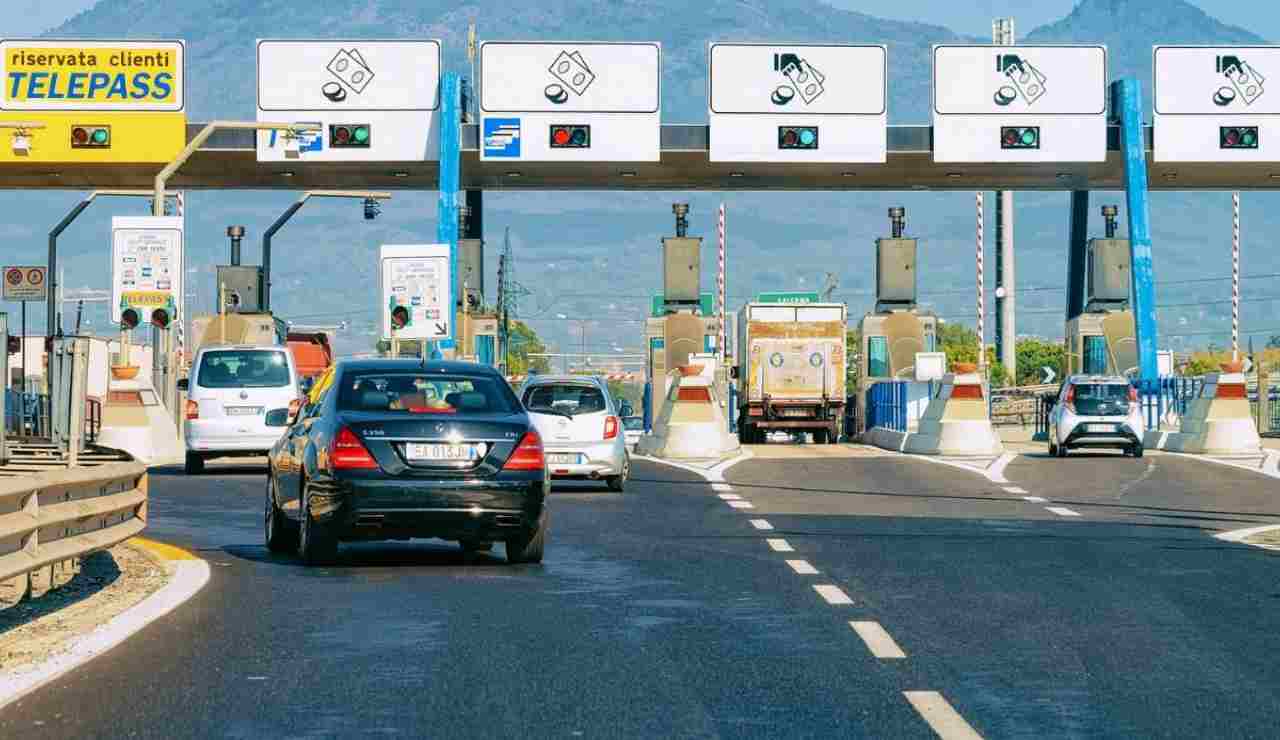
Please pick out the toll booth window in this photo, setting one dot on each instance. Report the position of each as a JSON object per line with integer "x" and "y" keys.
{"x": 877, "y": 357}
{"x": 1095, "y": 355}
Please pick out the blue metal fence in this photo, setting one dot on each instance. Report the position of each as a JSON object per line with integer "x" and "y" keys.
{"x": 1173, "y": 395}
{"x": 887, "y": 405}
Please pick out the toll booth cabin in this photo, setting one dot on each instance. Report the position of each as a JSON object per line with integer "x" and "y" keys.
{"x": 1102, "y": 339}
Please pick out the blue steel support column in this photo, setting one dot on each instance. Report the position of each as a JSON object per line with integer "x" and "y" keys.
{"x": 1126, "y": 106}
{"x": 1076, "y": 254}
{"x": 450, "y": 181}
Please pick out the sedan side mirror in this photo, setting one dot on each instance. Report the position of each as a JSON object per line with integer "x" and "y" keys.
{"x": 184, "y": 384}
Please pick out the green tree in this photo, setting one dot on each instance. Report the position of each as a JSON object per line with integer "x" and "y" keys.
{"x": 852, "y": 359}
{"x": 524, "y": 341}
{"x": 1036, "y": 354}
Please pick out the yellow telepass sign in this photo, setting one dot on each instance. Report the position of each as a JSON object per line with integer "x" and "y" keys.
{"x": 92, "y": 100}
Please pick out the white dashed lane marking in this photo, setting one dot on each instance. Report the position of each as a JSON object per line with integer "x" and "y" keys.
{"x": 741, "y": 504}
{"x": 941, "y": 716}
{"x": 779, "y": 545}
{"x": 1036, "y": 499}
{"x": 1015, "y": 490}
{"x": 1062, "y": 511}
{"x": 832, "y": 594}
{"x": 730, "y": 496}
{"x": 761, "y": 524}
{"x": 721, "y": 487}
{"x": 878, "y": 640}
{"x": 802, "y": 567}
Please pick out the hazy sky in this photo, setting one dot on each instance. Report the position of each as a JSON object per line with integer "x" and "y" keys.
{"x": 973, "y": 16}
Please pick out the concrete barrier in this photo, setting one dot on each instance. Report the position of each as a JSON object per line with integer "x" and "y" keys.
{"x": 956, "y": 422}
{"x": 691, "y": 424}
{"x": 1218, "y": 422}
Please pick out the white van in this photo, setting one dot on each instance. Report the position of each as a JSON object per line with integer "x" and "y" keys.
{"x": 238, "y": 401}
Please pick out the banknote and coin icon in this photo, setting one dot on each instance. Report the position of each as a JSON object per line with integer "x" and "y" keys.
{"x": 802, "y": 79}
{"x": 1246, "y": 82}
{"x": 1021, "y": 80}
{"x": 351, "y": 72}
{"x": 572, "y": 73}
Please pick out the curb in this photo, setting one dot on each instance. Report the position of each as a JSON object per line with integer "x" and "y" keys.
{"x": 189, "y": 576}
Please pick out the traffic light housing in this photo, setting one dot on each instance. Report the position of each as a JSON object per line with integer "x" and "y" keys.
{"x": 129, "y": 318}
{"x": 13, "y": 345}
{"x": 399, "y": 318}
{"x": 350, "y": 136}
{"x": 1238, "y": 137}
{"x": 1019, "y": 137}
{"x": 160, "y": 318}
{"x": 90, "y": 137}
{"x": 570, "y": 137}
{"x": 797, "y": 137}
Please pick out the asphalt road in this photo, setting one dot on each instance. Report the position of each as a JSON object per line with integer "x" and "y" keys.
{"x": 665, "y": 611}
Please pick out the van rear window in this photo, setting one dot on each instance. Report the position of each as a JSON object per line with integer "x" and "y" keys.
{"x": 243, "y": 368}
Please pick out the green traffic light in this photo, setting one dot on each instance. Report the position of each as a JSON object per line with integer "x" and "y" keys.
{"x": 361, "y": 134}
{"x": 1029, "y": 137}
{"x": 1249, "y": 138}
{"x": 100, "y": 136}
{"x": 807, "y": 137}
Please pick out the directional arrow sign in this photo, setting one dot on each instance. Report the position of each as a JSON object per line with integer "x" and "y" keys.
{"x": 1049, "y": 374}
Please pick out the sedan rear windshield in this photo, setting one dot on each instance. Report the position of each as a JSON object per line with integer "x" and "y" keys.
{"x": 421, "y": 393}
{"x": 1102, "y": 399}
{"x": 567, "y": 398}
{"x": 243, "y": 368}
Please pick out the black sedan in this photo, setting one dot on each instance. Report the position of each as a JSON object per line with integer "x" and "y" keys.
{"x": 397, "y": 449}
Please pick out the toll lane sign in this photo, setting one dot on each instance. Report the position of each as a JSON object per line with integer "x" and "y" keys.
{"x": 1019, "y": 103}
{"x": 375, "y": 101}
{"x": 417, "y": 302}
{"x": 25, "y": 283}
{"x": 146, "y": 265}
{"x": 97, "y": 101}
{"x": 797, "y": 102}
{"x": 1217, "y": 103}
{"x": 571, "y": 101}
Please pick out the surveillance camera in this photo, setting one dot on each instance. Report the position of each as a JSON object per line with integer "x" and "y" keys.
{"x": 21, "y": 145}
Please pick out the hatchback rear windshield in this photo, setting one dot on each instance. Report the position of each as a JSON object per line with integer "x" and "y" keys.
{"x": 420, "y": 393}
{"x": 243, "y": 368}
{"x": 1102, "y": 398}
{"x": 569, "y": 398}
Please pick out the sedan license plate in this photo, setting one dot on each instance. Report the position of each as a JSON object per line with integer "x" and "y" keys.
{"x": 563, "y": 458}
{"x": 243, "y": 410}
{"x": 440, "y": 452}
{"x": 1102, "y": 428}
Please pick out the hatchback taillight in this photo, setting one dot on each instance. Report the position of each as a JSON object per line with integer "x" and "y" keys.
{"x": 193, "y": 410}
{"x": 610, "y": 427}
{"x": 348, "y": 453}
{"x": 527, "y": 455}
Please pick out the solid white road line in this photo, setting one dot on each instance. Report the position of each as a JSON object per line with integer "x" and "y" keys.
{"x": 1062, "y": 511}
{"x": 741, "y": 504}
{"x": 779, "y": 545}
{"x": 1240, "y": 535}
{"x": 761, "y": 524}
{"x": 729, "y": 496}
{"x": 832, "y": 594}
{"x": 802, "y": 567}
{"x": 721, "y": 487}
{"x": 941, "y": 716}
{"x": 878, "y": 640}
{"x": 1036, "y": 499}
{"x": 1015, "y": 490}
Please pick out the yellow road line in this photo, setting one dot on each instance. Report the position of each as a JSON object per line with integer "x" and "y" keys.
{"x": 162, "y": 550}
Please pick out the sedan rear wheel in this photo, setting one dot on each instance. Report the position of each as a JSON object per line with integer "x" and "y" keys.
{"x": 527, "y": 546}
{"x": 281, "y": 534}
{"x": 317, "y": 544}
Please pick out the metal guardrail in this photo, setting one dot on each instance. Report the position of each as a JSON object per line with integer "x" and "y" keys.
{"x": 887, "y": 405}
{"x": 49, "y": 517}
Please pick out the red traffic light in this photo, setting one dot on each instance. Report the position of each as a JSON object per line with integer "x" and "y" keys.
{"x": 128, "y": 318}
{"x": 1019, "y": 137}
{"x": 160, "y": 318}
{"x": 797, "y": 137}
{"x": 350, "y": 136}
{"x": 570, "y": 137}
{"x": 90, "y": 137}
{"x": 1238, "y": 137}
{"x": 399, "y": 317}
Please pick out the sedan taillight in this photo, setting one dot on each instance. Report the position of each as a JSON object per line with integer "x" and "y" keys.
{"x": 1070, "y": 400}
{"x": 348, "y": 453}
{"x": 610, "y": 427}
{"x": 193, "y": 410}
{"x": 528, "y": 454}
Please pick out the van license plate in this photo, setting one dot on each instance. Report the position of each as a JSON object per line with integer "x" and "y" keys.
{"x": 243, "y": 410}
{"x": 440, "y": 453}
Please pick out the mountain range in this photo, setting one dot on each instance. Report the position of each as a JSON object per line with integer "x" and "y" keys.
{"x": 595, "y": 256}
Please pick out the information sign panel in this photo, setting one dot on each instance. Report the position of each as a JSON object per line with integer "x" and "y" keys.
{"x": 95, "y": 100}
{"x": 26, "y": 283}
{"x": 1019, "y": 103}
{"x": 1212, "y": 103}
{"x": 797, "y": 102}
{"x": 415, "y": 277}
{"x": 375, "y": 101}
{"x": 570, "y": 101}
{"x": 146, "y": 265}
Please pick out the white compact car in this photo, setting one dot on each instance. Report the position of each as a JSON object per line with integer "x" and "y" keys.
{"x": 581, "y": 429}
{"x": 238, "y": 402}
{"x": 1096, "y": 411}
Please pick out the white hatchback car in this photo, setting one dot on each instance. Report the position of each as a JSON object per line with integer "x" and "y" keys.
{"x": 580, "y": 426}
{"x": 238, "y": 402}
{"x": 1096, "y": 411}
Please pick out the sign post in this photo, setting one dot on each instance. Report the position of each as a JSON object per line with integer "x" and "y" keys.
{"x": 1212, "y": 103}
{"x": 570, "y": 101}
{"x": 797, "y": 102}
{"x": 1008, "y": 104}
{"x": 25, "y": 283}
